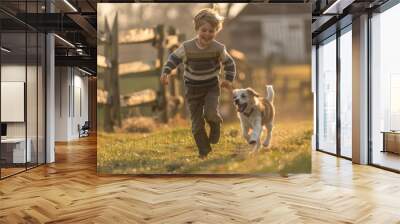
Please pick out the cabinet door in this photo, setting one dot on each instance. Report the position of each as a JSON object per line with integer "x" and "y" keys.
{"x": 392, "y": 142}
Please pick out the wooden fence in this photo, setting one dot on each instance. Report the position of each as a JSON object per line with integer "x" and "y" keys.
{"x": 116, "y": 80}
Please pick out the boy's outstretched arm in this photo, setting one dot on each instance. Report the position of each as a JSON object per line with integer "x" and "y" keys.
{"x": 174, "y": 59}
{"x": 229, "y": 70}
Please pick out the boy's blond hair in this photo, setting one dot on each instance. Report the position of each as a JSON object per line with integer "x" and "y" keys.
{"x": 210, "y": 16}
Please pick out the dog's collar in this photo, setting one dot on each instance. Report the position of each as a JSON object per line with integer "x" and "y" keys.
{"x": 249, "y": 113}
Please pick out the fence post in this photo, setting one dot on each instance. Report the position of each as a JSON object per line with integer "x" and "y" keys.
{"x": 108, "y": 121}
{"x": 160, "y": 36}
{"x": 116, "y": 111}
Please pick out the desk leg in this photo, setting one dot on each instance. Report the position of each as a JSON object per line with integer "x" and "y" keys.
{"x": 384, "y": 142}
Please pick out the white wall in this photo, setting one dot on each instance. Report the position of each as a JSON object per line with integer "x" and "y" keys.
{"x": 13, "y": 73}
{"x": 71, "y": 94}
{"x": 81, "y": 96}
{"x": 61, "y": 103}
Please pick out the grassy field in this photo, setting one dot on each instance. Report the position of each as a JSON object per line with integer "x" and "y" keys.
{"x": 172, "y": 150}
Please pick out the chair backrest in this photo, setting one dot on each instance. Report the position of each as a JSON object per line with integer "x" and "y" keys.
{"x": 86, "y": 125}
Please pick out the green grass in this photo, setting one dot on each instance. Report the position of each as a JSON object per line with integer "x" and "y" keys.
{"x": 172, "y": 150}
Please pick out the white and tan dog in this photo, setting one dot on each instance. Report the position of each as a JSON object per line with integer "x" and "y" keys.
{"x": 255, "y": 112}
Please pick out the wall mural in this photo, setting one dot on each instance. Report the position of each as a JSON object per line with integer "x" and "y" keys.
{"x": 204, "y": 89}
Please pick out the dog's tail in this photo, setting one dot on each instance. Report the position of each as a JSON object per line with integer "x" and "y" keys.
{"x": 270, "y": 93}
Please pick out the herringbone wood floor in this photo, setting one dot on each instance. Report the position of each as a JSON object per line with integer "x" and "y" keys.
{"x": 70, "y": 191}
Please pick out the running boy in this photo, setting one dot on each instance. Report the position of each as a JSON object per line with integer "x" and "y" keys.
{"x": 202, "y": 57}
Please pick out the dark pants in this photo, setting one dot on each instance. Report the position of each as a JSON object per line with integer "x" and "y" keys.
{"x": 203, "y": 105}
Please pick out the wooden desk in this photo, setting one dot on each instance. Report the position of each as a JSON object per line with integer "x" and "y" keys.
{"x": 15, "y": 148}
{"x": 391, "y": 141}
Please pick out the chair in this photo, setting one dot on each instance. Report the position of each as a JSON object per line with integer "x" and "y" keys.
{"x": 84, "y": 130}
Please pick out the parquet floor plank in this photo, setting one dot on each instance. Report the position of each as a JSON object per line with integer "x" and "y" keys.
{"x": 70, "y": 191}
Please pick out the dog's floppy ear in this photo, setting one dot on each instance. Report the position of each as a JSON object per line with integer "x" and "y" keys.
{"x": 252, "y": 92}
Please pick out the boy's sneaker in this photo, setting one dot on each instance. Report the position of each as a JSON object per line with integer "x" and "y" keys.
{"x": 203, "y": 154}
{"x": 214, "y": 133}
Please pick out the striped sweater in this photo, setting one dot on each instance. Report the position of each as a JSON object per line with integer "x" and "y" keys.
{"x": 201, "y": 66}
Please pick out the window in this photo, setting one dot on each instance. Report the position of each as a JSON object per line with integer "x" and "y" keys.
{"x": 327, "y": 95}
{"x": 22, "y": 68}
{"x": 385, "y": 84}
{"x": 346, "y": 93}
